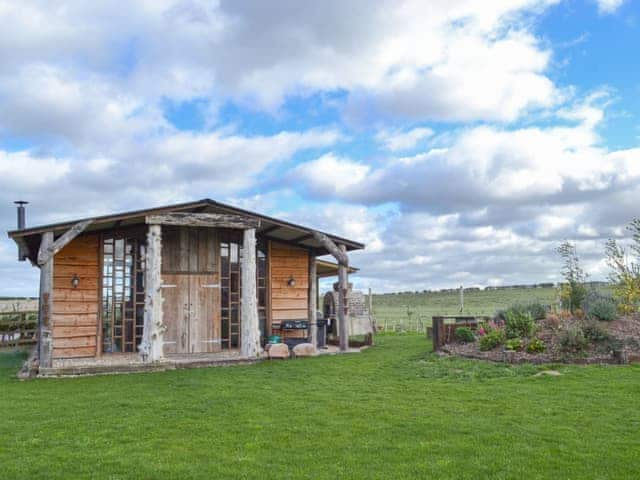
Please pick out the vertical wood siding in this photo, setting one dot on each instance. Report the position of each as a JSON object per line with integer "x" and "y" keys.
{"x": 289, "y": 303}
{"x": 75, "y": 310}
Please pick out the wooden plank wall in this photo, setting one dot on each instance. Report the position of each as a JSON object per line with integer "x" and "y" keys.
{"x": 289, "y": 303}
{"x": 75, "y": 310}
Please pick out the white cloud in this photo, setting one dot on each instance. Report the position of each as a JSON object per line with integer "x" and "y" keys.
{"x": 454, "y": 60}
{"x": 609, "y": 6}
{"x": 21, "y": 172}
{"x": 397, "y": 140}
{"x": 330, "y": 174}
{"x": 85, "y": 86}
{"x": 350, "y": 221}
{"x": 491, "y": 166}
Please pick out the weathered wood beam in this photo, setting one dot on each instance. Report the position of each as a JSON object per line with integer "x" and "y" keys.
{"x": 313, "y": 299}
{"x": 339, "y": 254}
{"x": 268, "y": 230}
{"x": 286, "y": 242}
{"x": 44, "y": 255}
{"x": 152, "y": 347}
{"x": 302, "y": 238}
{"x": 249, "y": 324}
{"x": 343, "y": 289}
{"x": 45, "y": 310}
{"x": 214, "y": 220}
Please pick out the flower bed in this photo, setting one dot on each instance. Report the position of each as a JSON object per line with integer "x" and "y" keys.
{"x": 514, "y": 337}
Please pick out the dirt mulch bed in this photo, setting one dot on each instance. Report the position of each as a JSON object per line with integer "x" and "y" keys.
{"x": 625, "y": 332}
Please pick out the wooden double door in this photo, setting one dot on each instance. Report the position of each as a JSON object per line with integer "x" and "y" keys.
{"x": 191, "y": 290}
{"x": 191, "y": 312}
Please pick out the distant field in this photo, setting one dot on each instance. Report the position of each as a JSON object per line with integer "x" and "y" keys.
{"x": 412, "y": 311}
{"x": 8, "y": 304}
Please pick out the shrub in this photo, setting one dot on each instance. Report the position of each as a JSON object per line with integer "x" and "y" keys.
{"x": 594, "y": 332}
{"x": 492, "y": 339}
{"x": 604, "y": 309}
{"x": 514, "y": 344}
{"x": 573, "y": 292}
{"x": 552, "y": 320}
{"x": 572, "y": 340}
{"x": 518, "y": 324}
{"x": 499, "y": 316}
{"x": 537, "y": 310}
{"x": 572, "y": 295}
{"x": 464, "y": 335}
{"x": 625, "y": 270}
{"x": 536, "y": 346}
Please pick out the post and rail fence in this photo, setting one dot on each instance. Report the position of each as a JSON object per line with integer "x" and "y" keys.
{"x": 18, "y": 328}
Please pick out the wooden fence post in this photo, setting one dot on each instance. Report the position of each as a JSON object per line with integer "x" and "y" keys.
{"x": 437, "y": 324}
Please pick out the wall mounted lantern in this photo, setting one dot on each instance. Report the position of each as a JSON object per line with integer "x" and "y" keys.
{"x": 75, "y": 281}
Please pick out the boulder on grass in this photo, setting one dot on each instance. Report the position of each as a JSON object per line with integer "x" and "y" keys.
{"x": 304, "y": 350}
{"x": 278, "y": 350}
{"x": 549, "y": 373}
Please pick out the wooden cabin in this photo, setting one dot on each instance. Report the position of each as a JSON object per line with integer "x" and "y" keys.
{"x": 180, "y": 281}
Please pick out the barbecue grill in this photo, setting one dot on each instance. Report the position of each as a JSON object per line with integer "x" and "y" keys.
{"x": 291, "y": 326}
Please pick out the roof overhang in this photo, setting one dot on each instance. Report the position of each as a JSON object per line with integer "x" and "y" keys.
{"x": 325, "y": 268}
{"x": 269, "y": 227}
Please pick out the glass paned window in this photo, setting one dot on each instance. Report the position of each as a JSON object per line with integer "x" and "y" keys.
{"x": 122, "y": 293}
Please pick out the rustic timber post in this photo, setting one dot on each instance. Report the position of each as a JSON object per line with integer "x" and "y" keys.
{"x": 151, "y": 347}
{"x": 340, "y": 254}
{"x": 313, "y": 301}
{"x": 45, "y": 340}
{"x": 250, "y": 326}
{"x": 437, "y": 332}
{"x": 343, "y": 287}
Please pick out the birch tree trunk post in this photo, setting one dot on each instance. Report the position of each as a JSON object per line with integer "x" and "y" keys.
{"x": 45, "y": 309}
{"x": 250, "y": 327}
{"x": 151, "y": 347}
{"x": 343, "y": 286}
{"x": 313, "y": 301}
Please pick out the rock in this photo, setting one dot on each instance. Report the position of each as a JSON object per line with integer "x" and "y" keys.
{"x": 304, "y": 350}
{"x": 549, "y": 373}
{"x": 278, "y": 350}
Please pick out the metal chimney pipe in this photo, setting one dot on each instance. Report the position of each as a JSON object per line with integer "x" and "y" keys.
{"x": 22, "y": 249}
{"x": 21, "y": 214}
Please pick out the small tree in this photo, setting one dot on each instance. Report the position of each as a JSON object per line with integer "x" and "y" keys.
{"x": 573, "y": 290}
{"x": 625, "y": 273}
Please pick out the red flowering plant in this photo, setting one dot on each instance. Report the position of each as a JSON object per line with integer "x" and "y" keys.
{"x": 490, "y": 326}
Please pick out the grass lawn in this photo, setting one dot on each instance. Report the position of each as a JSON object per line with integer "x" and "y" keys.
{"x": 394, "y": 411}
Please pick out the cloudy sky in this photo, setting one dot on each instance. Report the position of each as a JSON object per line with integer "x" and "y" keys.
{"x": 460, "y": 140}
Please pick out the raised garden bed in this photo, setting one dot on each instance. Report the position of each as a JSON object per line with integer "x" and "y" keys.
{"x": 567, "y": 340}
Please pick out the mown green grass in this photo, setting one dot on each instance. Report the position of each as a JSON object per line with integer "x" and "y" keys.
{"x": 394, "y": 411}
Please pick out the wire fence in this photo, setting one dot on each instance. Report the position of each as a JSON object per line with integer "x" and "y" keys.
{"x": 401, "y": 320}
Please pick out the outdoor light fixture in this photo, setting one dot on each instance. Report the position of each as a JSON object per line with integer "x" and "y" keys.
{"x": 291, "y": 282}
{"x": 75, "y": 281}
